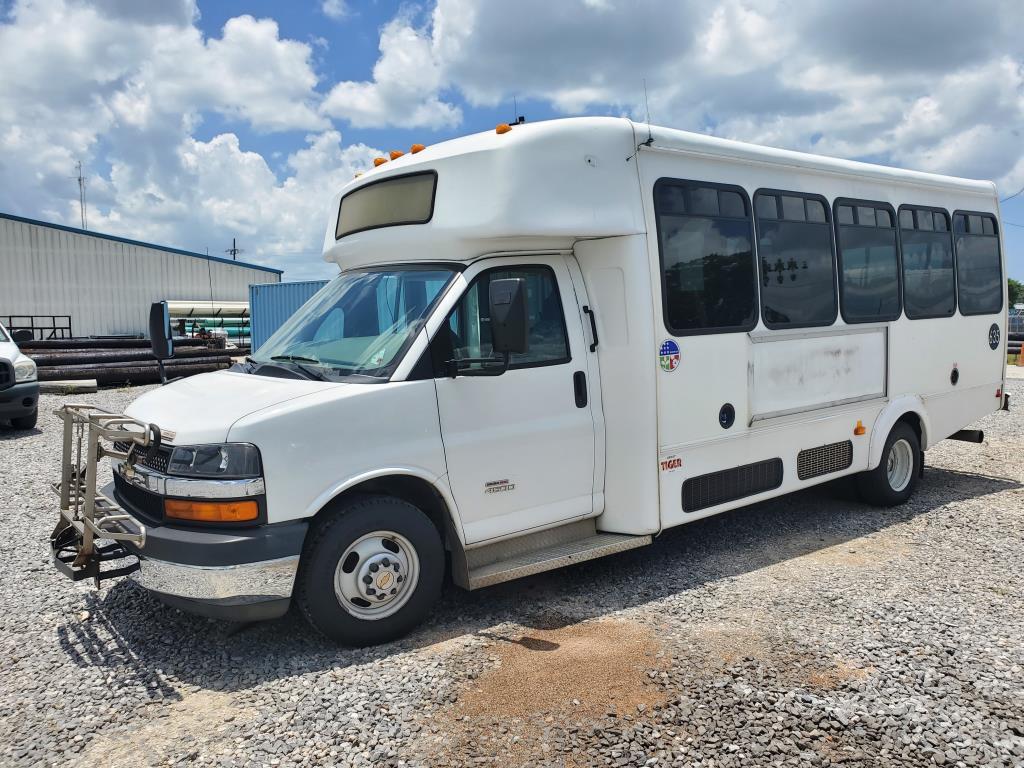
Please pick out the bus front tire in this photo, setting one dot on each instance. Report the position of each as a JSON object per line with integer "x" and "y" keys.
{"x": 371, "y": 571}
{"x": 893, "y": 481}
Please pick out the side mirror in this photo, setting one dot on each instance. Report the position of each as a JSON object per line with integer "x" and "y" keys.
{"x": 510, "y": 322}
{"x": 160, "y": 335}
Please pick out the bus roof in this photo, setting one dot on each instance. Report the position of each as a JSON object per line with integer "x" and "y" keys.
{"x": 545, "y": 185}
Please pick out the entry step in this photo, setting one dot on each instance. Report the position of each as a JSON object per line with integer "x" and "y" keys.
{"x": 556, "y": 556}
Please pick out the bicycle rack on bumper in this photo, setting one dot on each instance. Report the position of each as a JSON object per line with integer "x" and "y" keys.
{"x": 87, "y": 516}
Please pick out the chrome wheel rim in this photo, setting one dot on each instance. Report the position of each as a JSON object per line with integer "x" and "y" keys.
{"x": 376, "y": 575}
{"x": 900, "y": 465}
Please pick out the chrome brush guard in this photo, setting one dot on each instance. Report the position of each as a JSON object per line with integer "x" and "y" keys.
{"x": 87, "y": 516}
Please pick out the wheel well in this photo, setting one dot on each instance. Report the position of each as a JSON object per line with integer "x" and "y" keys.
{"x": 413, "y": 490}
{"x": 914, "y": 422}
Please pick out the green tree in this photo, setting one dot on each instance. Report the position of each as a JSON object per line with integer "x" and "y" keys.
{"x": 1016, "y": 290}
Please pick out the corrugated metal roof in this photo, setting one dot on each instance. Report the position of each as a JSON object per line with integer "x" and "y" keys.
{"x": 128, "y": 241}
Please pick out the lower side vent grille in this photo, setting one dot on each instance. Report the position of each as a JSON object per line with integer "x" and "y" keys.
{"x": 823, "y": 460}
{"x": 730, "y": 484}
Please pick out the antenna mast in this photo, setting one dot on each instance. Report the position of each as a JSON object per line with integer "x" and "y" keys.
{"x": 81, "y": 196}
{"x": 647, "y": 108}
{"x": 234, "y": 250}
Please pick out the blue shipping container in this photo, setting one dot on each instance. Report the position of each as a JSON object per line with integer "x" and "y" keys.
{"x": 271, "y": 304}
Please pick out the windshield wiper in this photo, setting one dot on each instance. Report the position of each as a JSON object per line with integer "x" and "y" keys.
{"x": 298, "y": 360}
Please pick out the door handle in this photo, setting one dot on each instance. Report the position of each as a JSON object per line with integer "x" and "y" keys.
{"x": 579, "y": 384}
{"x": 593, "y": 326}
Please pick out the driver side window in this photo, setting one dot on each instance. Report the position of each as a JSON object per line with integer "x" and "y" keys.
{"x": 468, "y": 328}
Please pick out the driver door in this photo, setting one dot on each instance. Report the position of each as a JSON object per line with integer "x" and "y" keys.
{"x": 519, "y": 444}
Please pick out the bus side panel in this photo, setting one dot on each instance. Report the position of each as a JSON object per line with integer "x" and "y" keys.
{"x": 617, "y": 277}
{"x": 925, "y": 354}
{"x": 781, "y": 438}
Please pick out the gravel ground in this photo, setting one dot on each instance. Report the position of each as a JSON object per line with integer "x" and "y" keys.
{"x": 811, "y": 630}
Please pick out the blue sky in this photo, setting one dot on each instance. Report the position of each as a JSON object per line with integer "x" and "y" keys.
{"x": 197, "y": 123}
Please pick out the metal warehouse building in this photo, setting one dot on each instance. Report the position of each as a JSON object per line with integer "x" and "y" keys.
{"x": 104, "y": 283}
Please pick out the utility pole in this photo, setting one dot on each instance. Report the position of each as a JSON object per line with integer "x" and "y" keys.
{"x": 234, "y": 250}
{"x": 81, "y": 196}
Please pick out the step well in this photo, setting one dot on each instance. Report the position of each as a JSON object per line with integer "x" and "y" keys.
{"x": 551, "y": 557}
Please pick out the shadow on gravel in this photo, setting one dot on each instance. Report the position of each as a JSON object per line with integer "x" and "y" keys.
{"x": 135, "y": 635}
{"x": 8, "y": 432}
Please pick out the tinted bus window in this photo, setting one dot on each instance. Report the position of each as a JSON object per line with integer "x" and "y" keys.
{"x": 926, "y": 245}
{"x": 794, "y": 247}
{"x": 705, "y": 241}
{"x": 978, "y": 272}
{"x": 389, "y": 202}
{"x": 869, "y": 283}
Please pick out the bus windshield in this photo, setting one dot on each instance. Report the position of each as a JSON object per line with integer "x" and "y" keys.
{"x": 359, "y": 324}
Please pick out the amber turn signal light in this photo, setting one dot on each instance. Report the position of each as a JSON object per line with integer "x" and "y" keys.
{"x": 211, "y": 511}
{"x": 379, "y": 161}
{"x": 860, "y": 429}
{"x": 503, "y": 128}
{"x": 416, "y": 148}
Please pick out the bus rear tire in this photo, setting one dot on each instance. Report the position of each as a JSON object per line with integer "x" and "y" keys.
{"x": 371, "y": 571}
{"x": 893, "y": 481}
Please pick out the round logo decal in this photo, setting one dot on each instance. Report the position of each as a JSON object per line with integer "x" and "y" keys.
{"x": 993, "y": 336}
{"x": 668, "y": 355}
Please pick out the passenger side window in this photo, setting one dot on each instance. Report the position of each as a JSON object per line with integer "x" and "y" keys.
{"x": 705, "y": 240}
{"x": 794, "y": 246}
{"x": 869, "y": 283}
{"x": 979, "y": 284}
{"x": 469, "y": 325}
{"x": 926, "y": 245}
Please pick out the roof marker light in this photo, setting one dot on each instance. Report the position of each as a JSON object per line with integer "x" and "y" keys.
{"x": 416, "y": 148}
{"x": 502, "y": 128}
{"x": 379, "y": 161}
{"x": 395, "y": 154}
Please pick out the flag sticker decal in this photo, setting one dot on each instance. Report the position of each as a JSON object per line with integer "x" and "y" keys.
{"x": 668, "y": 355}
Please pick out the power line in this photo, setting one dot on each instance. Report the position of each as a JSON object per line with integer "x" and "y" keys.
{"x": 1015, "y": 194}
{"x": 1011, "y": 224}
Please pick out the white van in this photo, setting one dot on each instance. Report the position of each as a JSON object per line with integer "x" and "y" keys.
{"x": 19, "y": 389}
{"x": 546, "y": 344}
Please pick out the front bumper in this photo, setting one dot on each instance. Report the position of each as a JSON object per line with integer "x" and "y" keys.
{"x": 242, "y": 574}
{"x": 244, "y": 592}
{"x": 19, "y": 400}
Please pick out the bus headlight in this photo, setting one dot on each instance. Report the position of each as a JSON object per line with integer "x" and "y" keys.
{"x": 24, "y": 370}
{"x": 224, "y": 461}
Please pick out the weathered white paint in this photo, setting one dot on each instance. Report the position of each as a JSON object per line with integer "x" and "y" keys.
{"x": 805, "y": 371}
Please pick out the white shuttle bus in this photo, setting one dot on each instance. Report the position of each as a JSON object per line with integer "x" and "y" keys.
{"x": 549, "y": 343}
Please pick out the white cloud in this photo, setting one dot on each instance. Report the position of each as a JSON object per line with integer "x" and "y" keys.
{"x": 334, "y": 9}
{"x": 907, "y": 83}
{"x": 405, "y": 89}
{"x": 223, "y": 191}
{"x": 124, "y": 90}
{"x": 124, "y": 85}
